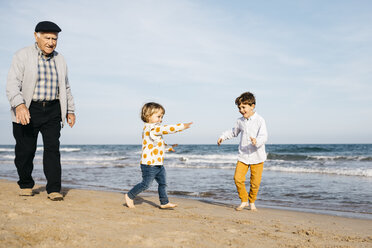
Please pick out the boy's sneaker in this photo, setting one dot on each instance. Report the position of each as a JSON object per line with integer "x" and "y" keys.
{"x": 252, "y": 207}
{"x": 242, "y": 206}
{"x": 168, "y": 205}
{"x": 129, "y": 201}
{"x": 55, "y": 196}
{"x": 26, "y": 192}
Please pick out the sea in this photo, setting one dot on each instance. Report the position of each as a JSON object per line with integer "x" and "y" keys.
{"x": 333, "y": 179}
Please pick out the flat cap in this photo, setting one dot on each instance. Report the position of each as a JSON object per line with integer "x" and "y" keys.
{"x": 47, "y": 26}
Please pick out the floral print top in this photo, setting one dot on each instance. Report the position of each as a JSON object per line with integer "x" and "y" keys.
{"x": 153, "y": 146}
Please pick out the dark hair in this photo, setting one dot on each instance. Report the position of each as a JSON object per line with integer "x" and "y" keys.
{"x": 245, "y": 98}
{"x": 149, "y": 109}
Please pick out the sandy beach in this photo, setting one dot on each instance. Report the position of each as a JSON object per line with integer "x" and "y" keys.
{"x": 100, "y": 219}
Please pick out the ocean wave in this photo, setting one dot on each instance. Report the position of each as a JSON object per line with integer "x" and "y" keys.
{"x": 331, "y": 171}
{"x": 336, "y": 158}
{"x": 8, "y": 156}
{"x": 90, "y": 164}
{"x": 62, "y": 149}
{"x": 200, "y": 166}
{"x": 284, "y": 157}
{"x": 65, "y": 149}
{"x": 93, "y": 159}
{"x": 40, "y": 148}
{"x": 210, "y": 159}
{"x": 194, "y": 194}
{"x": 344, "y": 171}
{"x": 299, "y": 149}
{"x": 297, "y": 157}
{"x": 232, "y": 158}
{"x": 206, "y": 161}
{"x": 204, "y": 156}
{"x": 6, "y": 149}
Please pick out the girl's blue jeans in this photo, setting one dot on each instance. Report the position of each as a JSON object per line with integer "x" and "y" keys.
{"x": 149, "y": 173}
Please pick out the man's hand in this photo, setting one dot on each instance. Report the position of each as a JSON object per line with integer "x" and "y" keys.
{"x": 71, "y": 119}
{"x": 22, "y": 114}
{"x": 253, "y": 140}
{"x": 219, "y": 141}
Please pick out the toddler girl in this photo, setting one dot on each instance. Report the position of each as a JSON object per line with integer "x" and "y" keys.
{"x": 153, "y": 148}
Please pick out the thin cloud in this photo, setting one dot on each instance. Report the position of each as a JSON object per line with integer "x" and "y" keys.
{"x": 195, "y": 57}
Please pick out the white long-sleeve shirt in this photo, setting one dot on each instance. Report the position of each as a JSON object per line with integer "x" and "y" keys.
{"x": 254, "y": 127}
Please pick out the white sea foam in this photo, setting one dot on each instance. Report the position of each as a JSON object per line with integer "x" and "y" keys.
{"x": 40, "y": 148}
{"x": 209, "y": 159}
{"x": 8, "y": 156}
{"x": 65, "y": 149}
{"x": 199, "y": 166}
{"x": 62, "y": 149}
{"x": 83, "y": 160}
{"x": 6, "y": 149}
{"x": 327, "y": 170}
{"x": 93, "y": 159}
{"x": 332, "y": 158}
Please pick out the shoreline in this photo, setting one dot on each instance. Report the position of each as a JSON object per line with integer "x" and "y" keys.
{"x": 149, "y": 193}
{"x": 88, "y": 218}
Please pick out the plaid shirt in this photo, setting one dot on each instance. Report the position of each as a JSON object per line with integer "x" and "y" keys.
{"x": 46, "y": 88}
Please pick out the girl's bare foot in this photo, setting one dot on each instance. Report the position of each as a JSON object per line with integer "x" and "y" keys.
{"x": 168, "y": 205}
{"x": 129, "y": 201}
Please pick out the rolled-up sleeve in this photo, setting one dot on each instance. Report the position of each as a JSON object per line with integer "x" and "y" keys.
{"x": 234, "y": 132}
{"x": 70, "y": 99}
{"x": 262, "y": 135}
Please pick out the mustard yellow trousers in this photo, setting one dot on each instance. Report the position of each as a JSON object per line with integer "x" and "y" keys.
{"x": 239, "y": 178}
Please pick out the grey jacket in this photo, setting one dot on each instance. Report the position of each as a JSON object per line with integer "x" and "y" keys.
{"x": 22, "y": 79}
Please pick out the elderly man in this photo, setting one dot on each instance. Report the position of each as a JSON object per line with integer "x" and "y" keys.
{"x": 40, "y": 97}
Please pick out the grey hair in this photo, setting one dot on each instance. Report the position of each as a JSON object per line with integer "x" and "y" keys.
{"x": 38, "y": 34}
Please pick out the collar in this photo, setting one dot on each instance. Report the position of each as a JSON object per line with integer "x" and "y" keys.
{"x": 254, "y": 116}
{"x": 152, "y": 124}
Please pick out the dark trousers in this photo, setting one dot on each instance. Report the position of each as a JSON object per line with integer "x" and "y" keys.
{"x": 46, "y": 119}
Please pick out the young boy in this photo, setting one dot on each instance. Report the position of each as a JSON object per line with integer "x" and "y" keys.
{"x": 251, "y": 148}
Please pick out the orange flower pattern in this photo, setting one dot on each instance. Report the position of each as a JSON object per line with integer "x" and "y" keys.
{"x": 153, "y": 145}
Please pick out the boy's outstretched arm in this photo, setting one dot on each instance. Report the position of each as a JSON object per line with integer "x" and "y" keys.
{"x": 229, "y": 134}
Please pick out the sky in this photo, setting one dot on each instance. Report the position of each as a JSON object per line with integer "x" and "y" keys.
{"x": 307, "y": 62}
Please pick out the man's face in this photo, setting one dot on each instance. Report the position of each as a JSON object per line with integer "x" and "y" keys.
{"x": 47, "y": 42}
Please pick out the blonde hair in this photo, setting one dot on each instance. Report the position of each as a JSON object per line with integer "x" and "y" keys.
{"x": 149, "y": 109}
